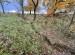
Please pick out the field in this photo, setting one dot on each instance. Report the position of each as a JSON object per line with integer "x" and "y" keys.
{"x": 44, "y": 36}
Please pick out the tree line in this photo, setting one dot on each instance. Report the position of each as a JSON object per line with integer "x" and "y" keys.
{"x": 52, "y": 5}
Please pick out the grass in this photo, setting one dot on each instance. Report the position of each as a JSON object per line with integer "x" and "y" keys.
{"x": 20, "y": 36}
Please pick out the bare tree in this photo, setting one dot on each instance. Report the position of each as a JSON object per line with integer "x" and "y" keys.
{"x": 20, "y": 2}
{"x": 2, "y": 4}
{"x": 35, "y": 7}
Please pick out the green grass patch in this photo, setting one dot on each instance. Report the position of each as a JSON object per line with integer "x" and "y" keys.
{"x": 23, "y": 37}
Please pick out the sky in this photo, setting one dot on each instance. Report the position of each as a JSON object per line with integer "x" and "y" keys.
{"x": 13, "y": 6}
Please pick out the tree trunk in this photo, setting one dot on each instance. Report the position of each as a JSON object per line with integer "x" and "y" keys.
{"x": 35, "y": 7}
{"x": 22, "y": 9}
{"x": 22, "y": 13}
{"x": 72, "y": 19}
{"x": 30, "y": 11}
{"x": 2, "y": 8}
{"x": 34, "y": 13}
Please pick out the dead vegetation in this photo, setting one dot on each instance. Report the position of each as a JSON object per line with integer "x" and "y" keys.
{"x": 44, "y": 36}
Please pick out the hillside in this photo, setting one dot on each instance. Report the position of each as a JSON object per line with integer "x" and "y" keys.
{"x": 44, "y": 36}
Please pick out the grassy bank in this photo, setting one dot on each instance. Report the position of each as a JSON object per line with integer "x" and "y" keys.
{"x": 18, "y": 38}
